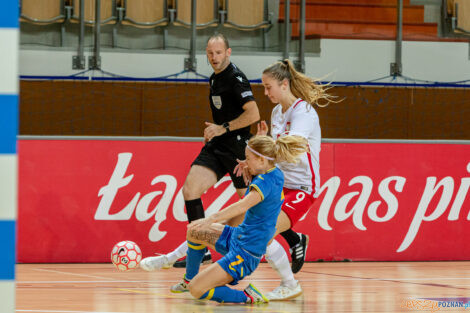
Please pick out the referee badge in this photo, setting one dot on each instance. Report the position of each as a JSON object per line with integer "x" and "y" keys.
{"x": 217, "y": 101}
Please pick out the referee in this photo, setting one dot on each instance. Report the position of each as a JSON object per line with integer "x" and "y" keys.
{"x": 233, "y": 110}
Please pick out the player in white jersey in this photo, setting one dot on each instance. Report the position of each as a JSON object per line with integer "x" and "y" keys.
{"x": 293, "y": 116}
{"x": 299, "y": 119}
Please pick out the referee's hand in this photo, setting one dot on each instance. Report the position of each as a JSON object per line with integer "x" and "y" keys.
{"x": 212, "y": 130}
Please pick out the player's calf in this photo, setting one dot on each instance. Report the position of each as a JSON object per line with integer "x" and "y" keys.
{"x": 299, "y": 253}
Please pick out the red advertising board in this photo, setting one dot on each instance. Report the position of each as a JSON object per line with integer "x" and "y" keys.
{"x": 378, "y": 201}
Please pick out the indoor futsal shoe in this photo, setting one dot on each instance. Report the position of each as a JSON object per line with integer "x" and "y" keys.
{"x": 284, "y": 293}
{"x": 207, "y": 259}
{"x": 254, "y": 296}
{"x": 155, "y": 263}
{"x": 299, "y": 253}
{"x": 180, "y": 287}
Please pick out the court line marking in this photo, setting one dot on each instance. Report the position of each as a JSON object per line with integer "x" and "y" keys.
{"x": 74, "y": 274}
{"x": 110, "y": 280}
{"x": 62, "y": 311}
{"x": 151, "y": 293}
{"x": 392, "y": 280}
{"x": 94, "y": 281}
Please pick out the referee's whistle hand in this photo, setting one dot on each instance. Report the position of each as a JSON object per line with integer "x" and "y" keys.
{"x": 212, "y": 130}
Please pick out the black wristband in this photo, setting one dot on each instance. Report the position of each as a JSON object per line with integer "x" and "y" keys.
{"x": 226, "y": 126}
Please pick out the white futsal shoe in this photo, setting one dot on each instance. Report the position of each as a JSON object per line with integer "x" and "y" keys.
{"x": 254, "y": 296}
{"x": 155, "y": 263}
{"x": 180, "y": 287}
{"x": 284, "y": 293}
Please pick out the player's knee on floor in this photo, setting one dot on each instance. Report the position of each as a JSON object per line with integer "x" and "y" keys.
{"x": 196, "y": 290}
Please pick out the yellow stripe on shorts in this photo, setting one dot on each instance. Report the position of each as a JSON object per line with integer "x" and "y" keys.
{"x": 240, "y": 260}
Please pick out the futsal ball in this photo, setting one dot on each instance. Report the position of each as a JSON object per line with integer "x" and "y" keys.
{"x": 126, "y": 255}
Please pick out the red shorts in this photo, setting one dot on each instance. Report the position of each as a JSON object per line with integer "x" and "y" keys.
{"x": 296, "y": 204}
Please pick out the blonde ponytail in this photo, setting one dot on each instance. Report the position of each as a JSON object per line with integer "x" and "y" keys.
{"x": 284, "y": 149}
{"x": 289, "y": 148}
{"x": 300, "y": 85}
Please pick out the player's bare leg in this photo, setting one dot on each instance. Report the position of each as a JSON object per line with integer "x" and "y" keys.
{"x": 198, "y": 181}
{"x": 210, "y": 277}
{"x": 277, "y": 258}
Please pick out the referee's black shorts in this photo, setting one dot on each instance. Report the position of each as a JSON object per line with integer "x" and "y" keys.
{"x": 221, "y": 157}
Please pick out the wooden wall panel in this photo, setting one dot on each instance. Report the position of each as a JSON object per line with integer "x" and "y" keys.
{"x": 180, "y": 109}
{"x": 175, "y": 109}
{"x": 440, "y": 113}
{"x": 80, "y": 108}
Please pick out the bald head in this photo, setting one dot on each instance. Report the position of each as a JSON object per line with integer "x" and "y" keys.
{"x": 218, "y": 52}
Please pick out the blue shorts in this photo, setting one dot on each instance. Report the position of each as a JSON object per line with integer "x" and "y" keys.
{"x": 237, "y": 262}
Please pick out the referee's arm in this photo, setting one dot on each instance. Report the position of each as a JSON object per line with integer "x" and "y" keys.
{"x": 249, "y": 116}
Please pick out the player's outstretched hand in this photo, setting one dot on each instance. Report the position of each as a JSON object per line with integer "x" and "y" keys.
{"x": 212, "y": 130}
{"x": 262, "y": 129}
{"x": 242, "y": 170}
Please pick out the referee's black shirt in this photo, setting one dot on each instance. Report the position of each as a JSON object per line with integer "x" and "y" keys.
{"x": 229, "y": 91}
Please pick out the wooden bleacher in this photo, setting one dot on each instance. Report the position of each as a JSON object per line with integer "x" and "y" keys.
{"x": 359, "y": 19}
{"x": 207, "y": 13}
{"x": 460, "y": 9}
{"x": 152, "y": 13}
{"x": 145, "y": 13}
{"x": 107, "y": 11}
{"x": 239, "y": 17}
{"x": 42, "y": 12}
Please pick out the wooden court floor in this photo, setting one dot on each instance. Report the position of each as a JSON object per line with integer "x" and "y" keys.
{"x": 328, "y": 287}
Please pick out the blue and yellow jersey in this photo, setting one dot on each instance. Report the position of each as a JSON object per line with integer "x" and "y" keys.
{"x": 259, "y": 224}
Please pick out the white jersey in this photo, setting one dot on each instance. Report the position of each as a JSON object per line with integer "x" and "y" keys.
{"x": 300, "y": 119}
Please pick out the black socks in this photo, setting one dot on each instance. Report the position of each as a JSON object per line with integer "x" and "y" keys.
{"x": 291, "y": 237}
{"x": 194, "y": 209}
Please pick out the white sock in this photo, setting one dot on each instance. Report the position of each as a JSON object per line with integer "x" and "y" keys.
{"x": 277, "y": 258}
{"x": 178, "y": 253}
